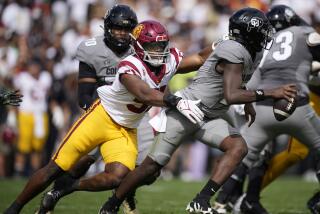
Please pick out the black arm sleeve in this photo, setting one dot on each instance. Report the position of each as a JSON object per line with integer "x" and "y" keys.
{"x": 315, "y": 51}
{"x": 86, "y": 92}
{"x": 86, "y": 71}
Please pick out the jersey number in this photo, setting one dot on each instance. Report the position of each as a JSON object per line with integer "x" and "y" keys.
{"x": 91, "y": 42}
{"x": 285, "y": 39}
{"x": 143, "y": 107}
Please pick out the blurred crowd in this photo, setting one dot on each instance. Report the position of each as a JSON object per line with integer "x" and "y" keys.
{"x": 38, "y": 43}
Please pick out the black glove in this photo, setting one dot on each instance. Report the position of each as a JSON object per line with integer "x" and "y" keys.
{"x": 8, "y": 97}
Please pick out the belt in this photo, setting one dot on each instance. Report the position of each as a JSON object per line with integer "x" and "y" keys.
{"x": 301, "y": 101}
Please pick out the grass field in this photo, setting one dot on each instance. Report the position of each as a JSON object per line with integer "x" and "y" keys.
{"x": 287, "y": 195}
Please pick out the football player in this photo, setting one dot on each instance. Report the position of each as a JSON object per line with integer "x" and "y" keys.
{"x": 99, "y": 68}
{"x": 218, "y": 84}
{"x": 9, "y": 97}
{"x": 289, "y": 60}
{"x": 98, "y": 60}
{"x": 111, "y": 120}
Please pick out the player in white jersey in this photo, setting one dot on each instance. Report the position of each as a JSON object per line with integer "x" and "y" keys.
{"x": 137, "y": 86}
{"x": 98, "y": 60}
{"x": 34, "y": 84}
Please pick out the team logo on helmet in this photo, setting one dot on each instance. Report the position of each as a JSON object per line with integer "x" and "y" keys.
{"x": 255, "y": 22}
{"x": 137, "y": 30}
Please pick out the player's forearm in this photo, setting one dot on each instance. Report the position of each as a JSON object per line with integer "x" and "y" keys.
{"x": 85, "y": 94}
{"x": 152, "y": 98}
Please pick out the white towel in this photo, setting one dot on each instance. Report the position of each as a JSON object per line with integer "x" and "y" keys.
{"x": 159, "y": 121}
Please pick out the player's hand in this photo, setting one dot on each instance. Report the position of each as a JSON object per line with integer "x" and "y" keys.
{"x": 249, "y": 113}
{"x": 190, "y": 109}
{"x": 288, "y": 92}
{"x": 9, "y": 97}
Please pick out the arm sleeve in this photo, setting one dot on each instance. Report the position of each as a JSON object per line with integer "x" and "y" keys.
{"x": 85, "y": 94}
{"x": 86, "y": 71}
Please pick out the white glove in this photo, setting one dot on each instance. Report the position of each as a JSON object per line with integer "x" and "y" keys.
{"x": 190, "y": 109}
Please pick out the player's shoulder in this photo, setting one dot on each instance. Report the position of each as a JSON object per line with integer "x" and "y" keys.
{"x": 230, "y": 50}
{"x": 299, "y": 30}
{"x": 90, "y": 47}
{"x": 131, "y": 63}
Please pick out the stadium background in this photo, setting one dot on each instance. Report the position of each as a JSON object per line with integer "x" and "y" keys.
{"x": 48, "y": 33}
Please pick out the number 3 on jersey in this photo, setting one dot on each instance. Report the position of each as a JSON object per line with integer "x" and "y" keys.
{"x": 285, "y": 39}
{"x": 143, "y": 107}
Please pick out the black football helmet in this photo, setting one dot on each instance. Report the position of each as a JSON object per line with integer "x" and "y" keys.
{"x": 282, "y": 16}
{"x": 251, "y": 28}
{"x": 119, "y": 17}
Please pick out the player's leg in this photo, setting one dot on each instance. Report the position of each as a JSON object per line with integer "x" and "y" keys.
{"x": 41, "y": 129}
{"x": 24, "y": 146}
{"x": 84, "y": 135}
{"x": 163, "y": 147}
{"x": 256, "y": 137}
{"x": 145, "y": 135}
{"x": 228, "y": 140}
{"x": 38, "y": 182}
{"x": 295, "y": 152}
{"x": 119, "y": 152}
{"x": 308, "y": 131}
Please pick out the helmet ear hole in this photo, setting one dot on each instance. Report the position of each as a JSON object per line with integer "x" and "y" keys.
{"x": 119, "y": 17}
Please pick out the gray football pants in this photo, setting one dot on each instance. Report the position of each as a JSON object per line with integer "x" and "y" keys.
{"x": 303, "y": 124}
{"x": 178, "y": 128}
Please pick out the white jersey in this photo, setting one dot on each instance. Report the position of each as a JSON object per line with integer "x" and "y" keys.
{"x": 34, "y": 91}
{"x": 121, "y": 105}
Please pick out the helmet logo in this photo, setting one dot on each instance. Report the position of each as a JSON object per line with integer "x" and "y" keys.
{"x": 161, "y": 38}
{"x": 137, "y": 30}
{"x": 255, "y": 22}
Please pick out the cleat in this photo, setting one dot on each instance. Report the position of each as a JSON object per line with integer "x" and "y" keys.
{"x": 42, "y": 211}
{"x": 248, "y": 207}
{"x": 236, "y": 208}
{"x": 107, "y": 209}
{"x": 50, "y": 199}
{"x": 314, "y": 203}
{"x": 129, "y": 205}
{"x": 220, "y": 208}
{"x": 200, "y": 205}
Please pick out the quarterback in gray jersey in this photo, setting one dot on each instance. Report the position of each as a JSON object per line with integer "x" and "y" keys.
{"x": 288, "y": 61}
{"x": 218, "y": 84}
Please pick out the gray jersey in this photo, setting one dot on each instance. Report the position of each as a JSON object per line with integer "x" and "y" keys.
{"x": 288, "y": 61}
{"x": 100, "y": 58}
{"x": 208, "y": 83}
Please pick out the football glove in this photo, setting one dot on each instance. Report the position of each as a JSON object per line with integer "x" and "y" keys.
{"x": 190, "y": 110}
{"x": 8, "y": 97}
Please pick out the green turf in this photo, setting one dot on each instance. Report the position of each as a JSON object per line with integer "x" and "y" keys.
{"x": 286, "y": 196}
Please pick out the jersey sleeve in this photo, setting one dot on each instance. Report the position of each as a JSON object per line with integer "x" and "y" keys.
{"x": 229, "y": 50}
{"x": 177, "y": 56}
{"x": 83, "y": 54}
{"x": 127, "y": 67}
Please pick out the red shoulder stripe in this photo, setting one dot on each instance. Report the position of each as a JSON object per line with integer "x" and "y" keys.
{"x": 131, "y": 65}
